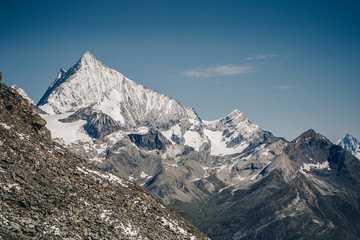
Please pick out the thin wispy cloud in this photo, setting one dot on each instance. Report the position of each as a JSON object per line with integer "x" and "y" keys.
{"x": 284, "y": 87}
{"x": 261, "y": 56}
{"x": 220, "y": 70}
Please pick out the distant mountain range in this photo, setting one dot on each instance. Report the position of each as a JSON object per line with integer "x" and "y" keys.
{"x": 351, "y": 144}
{"x": 228, "y": 177}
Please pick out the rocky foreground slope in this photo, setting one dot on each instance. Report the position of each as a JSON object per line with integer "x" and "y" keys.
{"x": 46, "y": 192}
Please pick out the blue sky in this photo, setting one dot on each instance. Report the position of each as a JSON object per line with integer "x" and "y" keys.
{"x": 288, "y": 65}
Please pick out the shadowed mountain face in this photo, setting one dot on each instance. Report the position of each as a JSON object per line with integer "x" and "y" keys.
{"x": 46, "y": 192}
{"x": 228, "y": 177}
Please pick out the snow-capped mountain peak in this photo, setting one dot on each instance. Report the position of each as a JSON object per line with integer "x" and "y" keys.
{"x": 236, "y": 113}
{"x": 235, "y": 131}
{"x": 88, "y": 64}
{"x": 233, "y": 119}
{"x": 89, "y": 60}
{"x": 89, "y": 83}
{"x": 237, "y": 116}
{"x": 348, "y": 142}
{"x": 88, "y": 55}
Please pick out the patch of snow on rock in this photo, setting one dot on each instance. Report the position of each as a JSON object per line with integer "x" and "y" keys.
{"x": 193, "y": 139}
{"x": 129, "y": 230}
{"x": 174, "y": 130}
{"x": 218, "y": 146}
{"x": 107, "y": 176}
{"x": 4, "y": 125}
{"x": 308, "y": 166}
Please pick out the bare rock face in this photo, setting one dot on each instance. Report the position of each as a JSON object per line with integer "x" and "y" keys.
{"x": 46, "y": 192}
{"x": 98, "y": 124}
{"x": 151, "y": 141}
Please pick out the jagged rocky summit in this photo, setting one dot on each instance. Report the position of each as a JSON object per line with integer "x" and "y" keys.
{"x": 351, "y": 144}
{"x": 47, "y": 192}
{"x": 229, "y": 177}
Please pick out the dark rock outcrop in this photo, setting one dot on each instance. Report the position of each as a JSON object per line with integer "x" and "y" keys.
{"x": 98, "y": 124}
{"x": 153, "y": 140}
